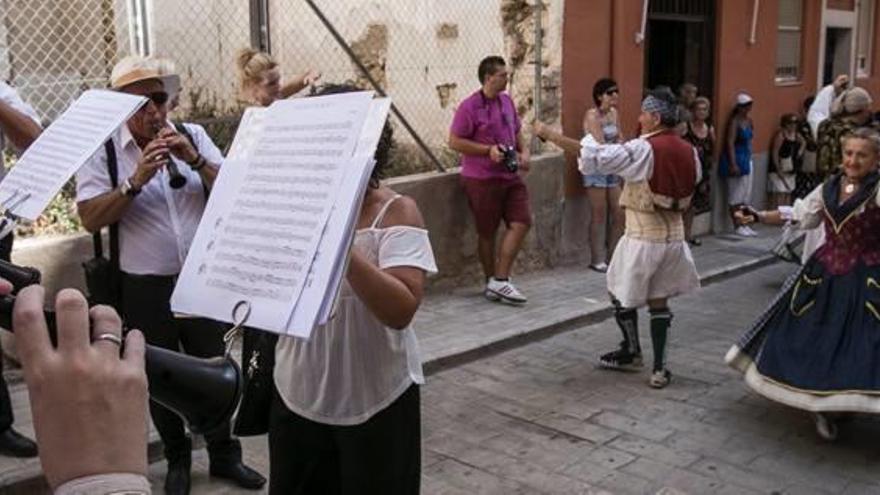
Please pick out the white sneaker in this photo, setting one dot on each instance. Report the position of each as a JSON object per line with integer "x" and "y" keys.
{"x": 751, "y": 233}
{"x": 825, "y": 427}
{"x": 488, "y": 294}
{"x": 504, "y": 291}
{"x": 743, "y": 231}
{"x": 660, "y": 379}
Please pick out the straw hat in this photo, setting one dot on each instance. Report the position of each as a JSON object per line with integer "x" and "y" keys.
{"x": 135, "y": 68}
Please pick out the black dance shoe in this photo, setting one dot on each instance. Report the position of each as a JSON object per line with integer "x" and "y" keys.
{"x": 14, "y": 444}
{"x": 239, "y": 474}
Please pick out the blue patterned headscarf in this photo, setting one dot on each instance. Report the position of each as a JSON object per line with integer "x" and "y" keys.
{"x": 668, "y": 111}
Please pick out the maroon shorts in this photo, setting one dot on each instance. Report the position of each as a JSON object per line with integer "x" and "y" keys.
{"x": 493, "y": 200}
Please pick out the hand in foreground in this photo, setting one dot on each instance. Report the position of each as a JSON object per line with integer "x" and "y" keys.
{"x": 179, "y": 145}
{"x": 154, "y": 157}
{"x": 745, "y": 215}
{"x": 841, "y": 82}
{"x": 538, "y": 129}
{"x": 89, "y": 405}
{"x": 525, "y": 161}
{"x": 495, "y": 154}
{"x": 311, "y": 77}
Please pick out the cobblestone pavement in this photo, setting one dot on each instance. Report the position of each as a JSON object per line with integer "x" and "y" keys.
{"x": 542, "y": 419}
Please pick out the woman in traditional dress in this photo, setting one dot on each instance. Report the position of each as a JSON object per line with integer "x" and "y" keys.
{"x": 817, "y": 347}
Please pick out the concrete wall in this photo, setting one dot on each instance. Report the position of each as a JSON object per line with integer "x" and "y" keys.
{"x": 439, "y": 197}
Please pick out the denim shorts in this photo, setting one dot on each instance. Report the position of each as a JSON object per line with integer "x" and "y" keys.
{"x": 601, "y": 180}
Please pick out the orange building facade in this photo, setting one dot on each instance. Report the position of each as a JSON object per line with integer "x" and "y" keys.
{"x": 779, "y": 51}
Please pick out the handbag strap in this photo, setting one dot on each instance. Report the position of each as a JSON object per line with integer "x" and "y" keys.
{"x": 112, "y": 170}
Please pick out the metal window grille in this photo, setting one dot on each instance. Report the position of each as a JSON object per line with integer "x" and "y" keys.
{"x": 788, "y": 40}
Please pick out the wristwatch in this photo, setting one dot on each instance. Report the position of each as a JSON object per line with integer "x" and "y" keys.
{"x": 198, "y": 163}
{"x": 127, "y": 189}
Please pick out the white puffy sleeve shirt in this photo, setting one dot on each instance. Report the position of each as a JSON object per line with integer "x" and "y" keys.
{"x": 10, "y": 96}
{"x": 354, "y": 366}
{"x": 809, "y": 212}
{"x": 633, "y": 161}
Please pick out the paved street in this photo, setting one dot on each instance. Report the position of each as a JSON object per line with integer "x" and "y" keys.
{"x": 542, "y": 419}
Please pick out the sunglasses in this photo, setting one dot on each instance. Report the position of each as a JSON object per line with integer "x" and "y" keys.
{"x": 612, "y": 92}
{"x": 159, "y": 98}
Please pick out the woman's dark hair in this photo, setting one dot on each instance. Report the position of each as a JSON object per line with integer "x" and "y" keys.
{"x": 601, "y": 86}
{"x": 808, "y": 102}
{"x": 787, "y": 118}
{"x": 386, "y": 140}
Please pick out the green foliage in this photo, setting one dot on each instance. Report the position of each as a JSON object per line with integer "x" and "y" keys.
{"x": 59, "y": 217}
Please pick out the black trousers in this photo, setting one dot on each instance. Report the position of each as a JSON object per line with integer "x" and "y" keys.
{"x": 381, "y": 456}
{"x": 146, "y": 306}
{"x": 6, "y": 416}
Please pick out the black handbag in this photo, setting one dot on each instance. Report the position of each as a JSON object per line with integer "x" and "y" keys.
{"x": 258, "y": 366}
{"x": 103, "y": 276}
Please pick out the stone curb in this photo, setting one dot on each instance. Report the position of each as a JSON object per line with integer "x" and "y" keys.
{"x": 457, "y": 357}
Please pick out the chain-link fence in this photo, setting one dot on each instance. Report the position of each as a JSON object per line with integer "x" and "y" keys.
{"x": 423, "y": 53}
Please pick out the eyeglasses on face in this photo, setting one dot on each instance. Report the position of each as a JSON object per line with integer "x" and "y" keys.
{"x": 158, "y": 97}
{"x": 612, "y": 91}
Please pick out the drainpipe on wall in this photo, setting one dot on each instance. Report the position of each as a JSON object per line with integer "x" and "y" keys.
{"x": 753, "y": 36}
{"x": 640, "y": 36}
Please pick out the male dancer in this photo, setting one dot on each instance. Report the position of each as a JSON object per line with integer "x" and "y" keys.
{"x": 652, "y": 262}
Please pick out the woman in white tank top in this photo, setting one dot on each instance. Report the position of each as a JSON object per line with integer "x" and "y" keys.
{"x": 346, "y": 418}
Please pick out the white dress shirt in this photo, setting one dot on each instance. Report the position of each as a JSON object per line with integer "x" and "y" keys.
{"x": 10, "y": 96}
{"x": 156, "y": 231}
{"x": 820, "y": 110}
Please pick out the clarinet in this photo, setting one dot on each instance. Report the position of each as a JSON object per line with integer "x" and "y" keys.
{"x": 175, "y": 179}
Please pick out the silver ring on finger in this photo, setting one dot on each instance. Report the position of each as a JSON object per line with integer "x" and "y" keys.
{"x": 110, "y": 337}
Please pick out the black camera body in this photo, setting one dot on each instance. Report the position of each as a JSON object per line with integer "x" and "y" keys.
{"x": 510, "y": 160}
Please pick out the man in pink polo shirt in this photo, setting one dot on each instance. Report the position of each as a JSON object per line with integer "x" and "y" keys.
{"x": 486, "y": 131}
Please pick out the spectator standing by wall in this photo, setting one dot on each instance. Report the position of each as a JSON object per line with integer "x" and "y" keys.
{"x": 494, "y": 154}
{"x": 603, "y": 191}
{"x": 735, "y": 165}
{"x": 701, "y": 134}
{"x": 786, "y": 157}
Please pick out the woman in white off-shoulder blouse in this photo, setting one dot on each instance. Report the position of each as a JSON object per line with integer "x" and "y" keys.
{"x": 345, "y": 418}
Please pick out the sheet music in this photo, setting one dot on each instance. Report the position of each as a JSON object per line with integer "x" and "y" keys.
{"x": 332, "y": 250}
{"x": 64, "y": 146}
{"x": 325, "y": 277}
{"x": 263, "y": 222}
{"x": 249, "y": 128}
{"x": 373, "y": 126}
